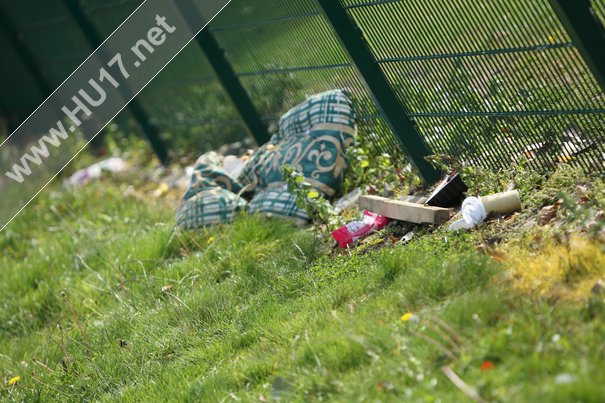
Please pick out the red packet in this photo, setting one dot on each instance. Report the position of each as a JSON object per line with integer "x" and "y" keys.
{"x": 354, "y": 230}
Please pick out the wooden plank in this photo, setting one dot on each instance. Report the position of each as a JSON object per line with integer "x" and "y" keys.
{"x": 404, "y": 211}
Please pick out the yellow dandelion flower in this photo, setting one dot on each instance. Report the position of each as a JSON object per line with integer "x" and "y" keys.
{"x": 210, "y": 240}
{"x": 14, "y": 380}
{"x": 406, "y": 317}
{"x": 313, "y": 194}
{"x": 365, "y": 163}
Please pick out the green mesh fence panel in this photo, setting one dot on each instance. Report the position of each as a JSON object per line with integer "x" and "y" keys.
{"x": 492, "y": 82}
{"x": 283, "y": 51}
{"x": 24, "y": 95}
{"x": 185, "y": 101}
{"x": 599, "y": 8}
{"x": 51, "y": 36}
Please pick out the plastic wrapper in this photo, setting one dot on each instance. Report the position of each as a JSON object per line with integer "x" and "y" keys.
{"x": 83, "y": 176}
{"x": 351, "y": 232}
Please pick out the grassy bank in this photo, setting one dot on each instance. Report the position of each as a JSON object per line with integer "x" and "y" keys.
{"x": 101, "y": 300}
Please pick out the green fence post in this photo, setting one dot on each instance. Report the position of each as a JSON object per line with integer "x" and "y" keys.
{"x": 17, "y": 42}
{"x": 586, "y": 31}
{"x": 236, "y": 92}
{"x": 379, "y": 89}
{"x": 94, "y": 40}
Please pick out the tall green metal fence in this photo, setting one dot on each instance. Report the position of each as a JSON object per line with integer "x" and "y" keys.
{"x": 490, "y": 82}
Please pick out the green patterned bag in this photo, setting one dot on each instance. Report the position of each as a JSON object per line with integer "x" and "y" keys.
{"x": 207, "y": 207}
{"x": 212, "y": 198}
{"x": 312, "y": 137}
{"x": 209, "y": 176}
{"x": 278, "y": 202}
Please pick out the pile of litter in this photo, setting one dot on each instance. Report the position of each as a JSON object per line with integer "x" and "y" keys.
{"x": 436, "y": 209}
{"x": 312, "y": 138}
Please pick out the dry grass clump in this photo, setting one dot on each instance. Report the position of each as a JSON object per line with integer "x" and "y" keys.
{"x": 566, "y": 269}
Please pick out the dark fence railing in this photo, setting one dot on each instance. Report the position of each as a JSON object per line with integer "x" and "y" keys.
{"x": 490, "y": 82}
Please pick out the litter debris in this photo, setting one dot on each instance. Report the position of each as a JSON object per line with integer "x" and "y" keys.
{"x": 407, "y": 237}
{"x": 212, "y": 198}
{"x": 564, "y": 378}
{"x": 476, "y": 209}
{"x": 347, "y": 201}
{"x": 175, "y": 179}
{"x": 94, "y": 171}
{"x": 403, "y": 240}
{"x": 233, "y": 165}
{"x": 305, "y": 132}
{"x": 534, "y": 150}
{"x": 405, "y": 211}
{"x": 502, "y": 203}
{"x": 548, "y": 214}
{"x": 573, "y": 143}
{"x": 353, "y": 231}
{"x": 237, "y": 148}
{"x": 394, "y": 239}
{"x": 473, "y": 213}
{"x": 448, "y": 192}
{"x": 210, "y": 158}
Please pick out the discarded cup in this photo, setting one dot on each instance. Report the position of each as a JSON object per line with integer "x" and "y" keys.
{"x": 476, "y": 209}
{"x": 502, "y": 203}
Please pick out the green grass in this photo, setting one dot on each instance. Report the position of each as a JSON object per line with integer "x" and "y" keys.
{"x": 101, "y": 300}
